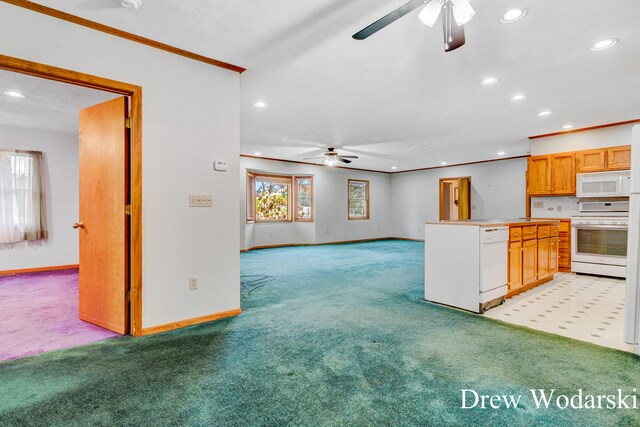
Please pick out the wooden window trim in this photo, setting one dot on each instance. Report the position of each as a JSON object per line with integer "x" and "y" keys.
{"x": 250, "y": 198}
{"x": 367, "y": 193}
{"x": 256, "y": 177}
{"x": 295, "y": 201}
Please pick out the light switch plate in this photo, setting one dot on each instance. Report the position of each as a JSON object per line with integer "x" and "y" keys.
{"x": 220, "y": 165}
{"x": 200, "y": 200}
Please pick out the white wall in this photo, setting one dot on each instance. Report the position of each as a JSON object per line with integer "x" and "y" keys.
{"x": 330, "y": 204}
{"x": 60, "y": 164}
{"x": 191, "y": 117}
{"x": 498, "y": 190}
{"x": 599, "y": 138}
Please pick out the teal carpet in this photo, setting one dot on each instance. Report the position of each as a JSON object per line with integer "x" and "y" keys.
{"x": 340, "y": 337}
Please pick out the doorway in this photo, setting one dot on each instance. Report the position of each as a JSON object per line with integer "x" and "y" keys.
{"x": 128, "y": 200}
{"x": 455, "y": 198}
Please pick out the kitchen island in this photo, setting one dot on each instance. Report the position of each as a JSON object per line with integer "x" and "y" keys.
{"x": 476, "y": 264}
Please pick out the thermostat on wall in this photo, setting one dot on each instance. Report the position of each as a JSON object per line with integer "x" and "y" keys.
{"x": 220, "y": 165}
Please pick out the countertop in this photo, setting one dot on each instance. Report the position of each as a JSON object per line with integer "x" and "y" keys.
{"x": 497, "y": 222}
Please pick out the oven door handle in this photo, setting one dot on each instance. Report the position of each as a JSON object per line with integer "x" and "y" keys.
{"x": 600, "y": 227}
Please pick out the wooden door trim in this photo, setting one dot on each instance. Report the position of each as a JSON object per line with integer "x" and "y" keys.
{"x": 441, "y": 181}
{"x": 74, "y": 19}
{"x": 135, "y": 93}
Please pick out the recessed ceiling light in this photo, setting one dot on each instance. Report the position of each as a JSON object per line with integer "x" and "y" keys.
{"x": 14, "y": 94}
{"x": 513, "y": 15}
{"x": 604, "y": 44}
{"x": 488, "y": 81}
{"x": 394, "y": 167}
{"x": 518, "y": 97}
{"x": 257, "y": 154}
{"x": 501, "y": 153}
{"x": 260, "y": 104}
{"x": 567, "y": 127}
{"x": 134, "y": 4}
{"x": 443, "y": 163}
{"x": 544, "y": 113}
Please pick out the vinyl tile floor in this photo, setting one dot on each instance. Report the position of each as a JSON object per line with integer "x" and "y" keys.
{"x": 587, "y": 308}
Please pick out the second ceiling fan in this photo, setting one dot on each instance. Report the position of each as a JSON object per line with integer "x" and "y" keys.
{"x": 455, "y": 13}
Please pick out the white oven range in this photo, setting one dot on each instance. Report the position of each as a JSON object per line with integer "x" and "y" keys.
{"x": 599, "y": 238}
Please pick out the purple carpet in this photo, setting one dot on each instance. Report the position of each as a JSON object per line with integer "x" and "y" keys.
{"x": 39, "y": 313}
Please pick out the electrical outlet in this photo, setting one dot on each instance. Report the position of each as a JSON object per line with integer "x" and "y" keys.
{"x": 193, "y": 283}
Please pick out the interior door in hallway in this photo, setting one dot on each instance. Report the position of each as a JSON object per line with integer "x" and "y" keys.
{"x": 103, "y": 224}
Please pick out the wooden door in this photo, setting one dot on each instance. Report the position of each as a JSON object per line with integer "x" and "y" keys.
{"x": 103, "y": 225}
{"x": 543, "y": 258}
{"x": 619, "y": 158}
{"x": 563, "y": 174}
{"x": 591, "y": 160}
{"x": 539, "y": 175}
{"x": 515, "y": 265}
{"x": 464, "y": 198}
{"x": 553, "y": 255}
{"x": 529, "y": 261}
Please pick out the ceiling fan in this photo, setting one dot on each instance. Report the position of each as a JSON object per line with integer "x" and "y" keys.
{"x": 331, "y": 157}
{"x": 456, "y": 14}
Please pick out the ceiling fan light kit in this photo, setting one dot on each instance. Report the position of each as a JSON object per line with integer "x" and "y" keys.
{"x": 331, "y": 157}
{"x": 456, "y": 14}
{"x": 132, "y": 4}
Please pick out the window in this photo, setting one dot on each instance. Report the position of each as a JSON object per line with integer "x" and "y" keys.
{"x": 358, "y": 199}
{"x": 22, "y": 207}
{"x": 272, "y": 198}
{"x": 304, "y": 198}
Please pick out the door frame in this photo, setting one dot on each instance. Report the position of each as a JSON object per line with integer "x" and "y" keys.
{"x": 135, "y": 178}
{"x": 441, "y": 188}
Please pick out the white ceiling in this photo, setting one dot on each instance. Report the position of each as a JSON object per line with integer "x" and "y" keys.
{"x": 397, "y": 98}
{"x": 49, "y": 105}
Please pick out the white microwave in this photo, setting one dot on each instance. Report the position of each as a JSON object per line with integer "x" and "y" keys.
{"x": 604, "y": 184}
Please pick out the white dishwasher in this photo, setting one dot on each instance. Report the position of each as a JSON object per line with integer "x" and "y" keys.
{"x": 493, "y": 266}
{"x": 466, "y": 265}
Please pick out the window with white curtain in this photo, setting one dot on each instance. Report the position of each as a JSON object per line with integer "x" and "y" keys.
{"x": 22, "y": 198}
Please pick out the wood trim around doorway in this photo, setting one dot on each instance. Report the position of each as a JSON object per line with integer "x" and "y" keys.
{"x": 135, "y": 93}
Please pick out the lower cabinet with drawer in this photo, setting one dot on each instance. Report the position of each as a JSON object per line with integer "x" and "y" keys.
{"x": 533, "y": 256}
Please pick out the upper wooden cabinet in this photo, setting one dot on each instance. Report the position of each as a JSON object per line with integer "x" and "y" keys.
{"x": 591, "y": 160}
{"x": 539, "y": 175}
{"x": 604, "y": 159}
{"x": 563, "y": 173}
{"x": 619, "y": 158}
{"x": 553, "y": 174}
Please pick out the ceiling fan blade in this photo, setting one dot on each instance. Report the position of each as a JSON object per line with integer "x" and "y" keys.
{"x": 453, "y": 33}
{"x": 342, "y": 159}
{"x": 349, "y": 157}
{"x": 314, "y": 158}
{"x": 388, "y": 19}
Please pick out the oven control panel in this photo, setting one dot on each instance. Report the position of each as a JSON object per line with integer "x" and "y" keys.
{"x": 599, "y": 221}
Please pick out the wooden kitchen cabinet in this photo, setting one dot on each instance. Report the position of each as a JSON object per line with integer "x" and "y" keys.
{"x": 564, "y": 246}
{"x": 591, "y": 160}
{"x": 533, "y": 254}
{"x": 563, "y": 174}
{"x": 543, "y": 258}
{"x": 515, "y": 265}
{"x": 529, "y": 262}
{"x": 551, "y": 175}
{"x": 619, "y": 158}
{"x": 553, "y": 255}
{"x": 604, "y": 159}
{"x": 539, "y": 175}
